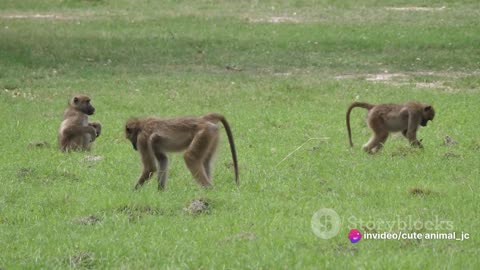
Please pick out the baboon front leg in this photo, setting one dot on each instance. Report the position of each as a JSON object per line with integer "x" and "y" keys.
{"x": 162, "y": 160}
{"x": 411, "y": 132}
{"x": 414, "y": 142}
{"x": 146, "y": 174}
{"x": 197, "y": 152}
{"x": 411, "y": 135}
{"x": 148, "y": 166}
{"x": 97, "y": 126}
{"x": 412, "y": 138}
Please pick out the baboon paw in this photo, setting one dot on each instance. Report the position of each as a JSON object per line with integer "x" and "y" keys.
{"x": 417, "y": 144}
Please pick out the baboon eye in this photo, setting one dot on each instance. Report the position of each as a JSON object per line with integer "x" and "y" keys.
{"x": 128, "y": 130}
{"x": 428, "y": 108}
{"x": 75, "y": 100}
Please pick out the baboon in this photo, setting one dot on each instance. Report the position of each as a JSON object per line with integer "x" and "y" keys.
{"x": 75, "y": 132}
{"x": 196, "y": 136}
{"x": 386, "y": 118}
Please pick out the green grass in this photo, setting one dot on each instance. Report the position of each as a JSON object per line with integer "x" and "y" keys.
{"x": 168, "y": 58}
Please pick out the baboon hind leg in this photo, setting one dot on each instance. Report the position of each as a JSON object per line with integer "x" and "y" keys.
{"x": 380, "y": 142}
{"x": 197, "y": 153}
{"x": 210, "y": 156}
{"x": 380, "y": 135}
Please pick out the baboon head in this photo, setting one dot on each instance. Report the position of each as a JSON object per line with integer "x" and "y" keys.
{"x": 82, "y": 103}
{"x": 132, "y": 128}
{"x": 428, "y": 115}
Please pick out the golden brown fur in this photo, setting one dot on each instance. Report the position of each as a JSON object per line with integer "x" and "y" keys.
{"x": 75, "y": 132}
{"x": 197, "y": 136}
{"x": 386, "y": 118}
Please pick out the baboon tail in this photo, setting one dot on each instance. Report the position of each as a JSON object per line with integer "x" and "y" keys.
{"x": 215, "y": 118}
{"x": 353, "y": 105}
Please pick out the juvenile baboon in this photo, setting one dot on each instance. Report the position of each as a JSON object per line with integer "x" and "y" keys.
{"x": 386, "y": 118}
{"x": 75, "y": 132}
{"x": 197, "y": 136}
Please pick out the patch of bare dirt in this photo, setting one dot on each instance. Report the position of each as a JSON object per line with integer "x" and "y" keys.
{"x": 429, "y": 84}
{"x": 233, "y": 68}
{"x": 137, "y": 212}
{"x": 450, "y": 155}
{"x": 59, "y": 16}
{"x": 64, "y": 175}
{"x": 92, "y": 158}
{"x": 197, "y": 206}
{"x": 279, "y": 19}
{"x": 345, "y": 77}
{"x": 82, "y": 260}
{"x": 419, "y": 191}
{"x": 413, "y": 8}
{"x": 282, "y": 74}
{"x": 449, "y": 141}
{"x": 38, "y": 16}
{"x": 243, "y": 236}
{"x": 38, "y": 144}
{"x": 3, "y": 220}
{"x": 476, "y": 146}
{"x": 88, "y": 220}
{"x": 25, "y": 172}
{"x": 384, "y": 76}
{"x": 375, "y": 77}
{"x": 440, "y": 80}
{"x": 17, "y": 93}
{"x": 404, "y": 151}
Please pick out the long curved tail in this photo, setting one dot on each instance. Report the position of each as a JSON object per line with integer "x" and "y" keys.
{"x": 350, "y": 108}
{"x": 215, "y": 117}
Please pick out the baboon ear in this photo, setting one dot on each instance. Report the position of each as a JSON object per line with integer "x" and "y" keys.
{"x": 428, "y": 108}
{"x": 128, "y": 130}
{"x": 75, "y": 100}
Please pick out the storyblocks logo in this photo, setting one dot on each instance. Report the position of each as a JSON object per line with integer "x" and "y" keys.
{"x": 326, "y": 223}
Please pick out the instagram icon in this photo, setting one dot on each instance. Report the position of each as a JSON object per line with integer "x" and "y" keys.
{"x": 354, "y": 236}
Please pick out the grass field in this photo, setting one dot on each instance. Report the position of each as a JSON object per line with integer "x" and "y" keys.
{"x": 283, "y": 74}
